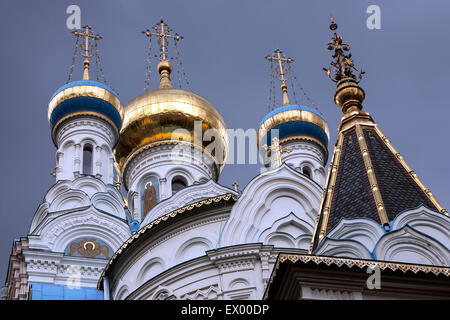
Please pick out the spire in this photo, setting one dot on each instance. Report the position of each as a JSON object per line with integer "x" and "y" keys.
{"x": 162, "y": 31}
{"x": 86, "y": 48}
{"x": 343, "y": 66}
{"x": 281, "y": 70}
{"x": 349, "y": 95}
{"x": 367, "y": 177}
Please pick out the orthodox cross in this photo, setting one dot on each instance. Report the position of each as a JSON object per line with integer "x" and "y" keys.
{"x": 235, "y": 186}
{"x": 276, "y": 151}
{"x": 281, "y": 70}
{"x": 162, "y": 31}
{"x": 86, "y": 47}
{"x": 342, "y": 67}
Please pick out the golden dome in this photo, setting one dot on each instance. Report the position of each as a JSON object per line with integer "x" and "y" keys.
{"x": 153, "y": 117}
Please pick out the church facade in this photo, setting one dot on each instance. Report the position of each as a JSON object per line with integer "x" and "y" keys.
{"x": 136, "y": 211}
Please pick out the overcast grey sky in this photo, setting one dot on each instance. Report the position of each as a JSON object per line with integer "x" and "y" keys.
{"x": 406, "y": 83}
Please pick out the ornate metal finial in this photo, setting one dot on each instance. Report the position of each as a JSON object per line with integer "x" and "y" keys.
{"x": 164, "y": 66}
{"x": 276, "y": 150}
{"x": 281, "y": 70}
{"x": 162, "y": 31}
{"x": 342, "y": 67}
{"x": 86, "y": 47}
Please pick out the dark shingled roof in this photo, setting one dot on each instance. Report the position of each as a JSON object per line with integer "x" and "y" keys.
{"x": 397, "y": 188}
{"x": 352, "y": 197}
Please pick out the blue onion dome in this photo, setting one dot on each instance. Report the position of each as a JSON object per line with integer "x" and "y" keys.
{"x": 85, "y": 97}
{"x": 295, "y": 122}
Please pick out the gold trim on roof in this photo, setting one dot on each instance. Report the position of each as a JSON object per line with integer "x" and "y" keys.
{"x": 327, "y": 195}
{"x": 172, "y": 214}
{"x": 408, "y": 169}
{"x": 383, "y": 265}
{"x": 372, "y": 178}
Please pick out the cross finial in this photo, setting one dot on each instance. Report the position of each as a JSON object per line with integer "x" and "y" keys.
{"x": 276, "y": 151}
{"x": 86, "y": 47}
{"x": 162, "y": 31}
{"x": 281, "y": 70}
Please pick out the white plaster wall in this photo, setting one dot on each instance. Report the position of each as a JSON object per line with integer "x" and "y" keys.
{"x": 191, "y": 240}
{"x": 238, "y": 272}
{"x": 71, "y": 138}
{"x": 305, "y": 153}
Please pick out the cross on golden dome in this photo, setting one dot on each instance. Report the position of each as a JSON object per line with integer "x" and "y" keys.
{"x": 162, "y": 31}
{"x": 86, "y": 47}
{"x": 281, "y": 70}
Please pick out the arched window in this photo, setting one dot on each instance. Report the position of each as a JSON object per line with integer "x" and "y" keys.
{"x": 307, "y": 171}
{"x": 87, "y": 159}
{"x": 178, "y": 183}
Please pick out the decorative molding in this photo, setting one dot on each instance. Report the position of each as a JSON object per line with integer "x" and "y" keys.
{"x": 54, "y": 267}
{"x": 155, "y": 153}
{"x": 362, "y": 264}
{"x": 418, "y": 230}
{"x": 290, "y": 220}
{"x": 308, "y": 144}
{"x": 17, "y": 276}
{"x": 173, "y": 214}
{"x": 366, "y": 231}
{"x": 328, "y": 294}
{"x": 343, "y": 248}
{"x": 83, "y": 121}
{"x": 186, "y": 196}
{"x": 408, "y": 245}
{"x": 58, "y": 232}
{"x": 71, "y": 192}
{"x": 207, "y": 293}
{"x": 244, "y": 224}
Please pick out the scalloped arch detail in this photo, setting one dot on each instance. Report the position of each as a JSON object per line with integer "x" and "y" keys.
{"x": 269, "y": 198}
{"x": 411, "y": 246}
